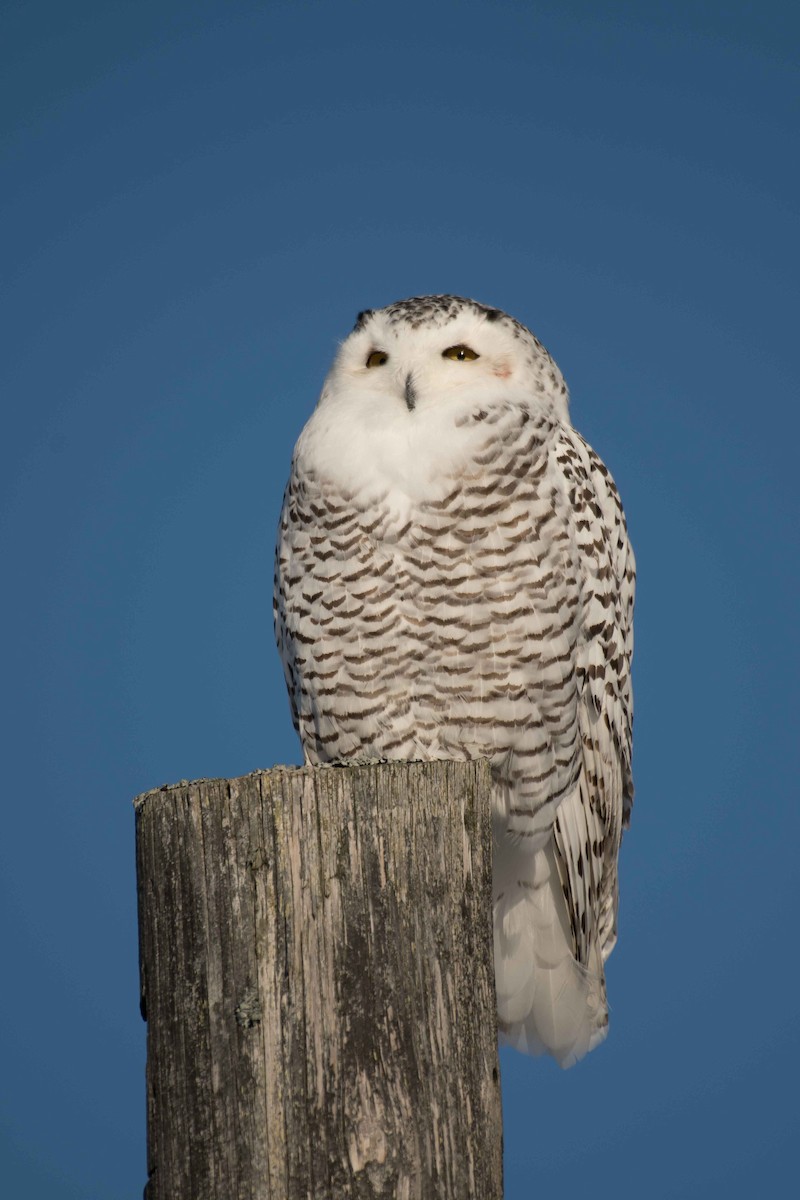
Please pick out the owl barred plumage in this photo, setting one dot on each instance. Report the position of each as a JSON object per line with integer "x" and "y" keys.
{"x": 454, "y": 580}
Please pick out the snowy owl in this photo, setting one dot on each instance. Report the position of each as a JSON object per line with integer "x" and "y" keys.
{"x": 454, "y": 580}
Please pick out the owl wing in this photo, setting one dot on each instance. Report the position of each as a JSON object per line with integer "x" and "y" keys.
{"x": 589, "y": 822}
{"x": 284, "y": 583}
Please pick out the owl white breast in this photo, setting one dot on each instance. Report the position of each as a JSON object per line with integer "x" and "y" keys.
{"x": 454, "y": 580}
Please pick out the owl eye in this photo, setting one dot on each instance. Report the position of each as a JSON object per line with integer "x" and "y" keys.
{"x": 376, "y": 358}
{"x": 460, "y": 353}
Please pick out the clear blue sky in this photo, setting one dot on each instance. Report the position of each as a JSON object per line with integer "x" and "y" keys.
{"x": 196, "y": 199}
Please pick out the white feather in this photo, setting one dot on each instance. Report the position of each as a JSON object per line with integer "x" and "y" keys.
{"x": 547, "y": 1002}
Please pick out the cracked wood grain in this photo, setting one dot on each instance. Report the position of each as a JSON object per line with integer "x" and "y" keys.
{"x": 317, "y": 979}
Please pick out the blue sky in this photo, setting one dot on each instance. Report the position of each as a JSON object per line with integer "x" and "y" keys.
{"x": 196, "y": 200}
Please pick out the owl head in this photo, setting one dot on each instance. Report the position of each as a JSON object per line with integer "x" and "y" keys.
{"x": 397, "y": 400}
{"x": 431, "y": 351}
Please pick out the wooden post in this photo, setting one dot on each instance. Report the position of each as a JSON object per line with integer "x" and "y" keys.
{"x": 317, "y": 979}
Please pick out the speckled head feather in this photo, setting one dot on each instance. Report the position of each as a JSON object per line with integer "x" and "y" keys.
{"x": 417, "y": 311}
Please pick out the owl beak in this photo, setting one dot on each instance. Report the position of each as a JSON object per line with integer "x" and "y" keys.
{"x": 410, "y": 393}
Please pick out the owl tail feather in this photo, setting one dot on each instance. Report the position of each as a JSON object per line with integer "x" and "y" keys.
{"x": 548, "y": 1003}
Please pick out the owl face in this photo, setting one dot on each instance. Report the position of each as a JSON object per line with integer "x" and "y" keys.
{"x": 417, "y": 356}
{"x": 403, "y": 384}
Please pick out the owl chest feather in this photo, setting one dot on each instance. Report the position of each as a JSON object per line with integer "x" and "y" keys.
{"x": 437, "y": 624}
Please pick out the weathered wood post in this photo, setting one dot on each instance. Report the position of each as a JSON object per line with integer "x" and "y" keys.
{"x": 317, "y": 979}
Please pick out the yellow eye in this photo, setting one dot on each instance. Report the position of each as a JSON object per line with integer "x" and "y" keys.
{"x": 376, "y": 358}
{"x": 460, "y": 353}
